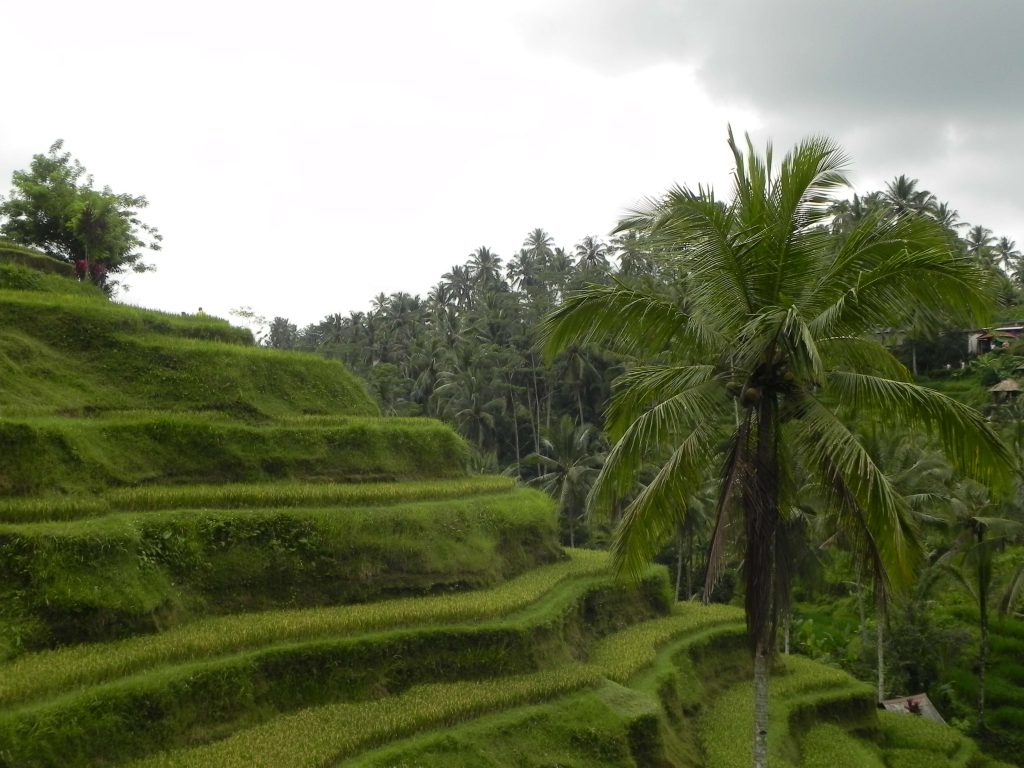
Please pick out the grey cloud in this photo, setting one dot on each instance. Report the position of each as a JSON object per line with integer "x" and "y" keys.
{"x": 875, "y": 55}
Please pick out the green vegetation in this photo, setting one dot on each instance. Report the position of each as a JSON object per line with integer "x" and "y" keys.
{"x": 53, "y": 208}
{"x": 213, "y": 553}
{"x": 245, "y": 496}
{"x": 125, "y": 573}
{"x": 66, "y": 455}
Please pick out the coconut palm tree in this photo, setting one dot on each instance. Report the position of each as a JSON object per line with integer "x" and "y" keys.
{"x": 1006, "y": 254}
{"x": 771, "y": 348}
{"x": 971, "y": 561}
{"x": 571, "y": 456}
{"x": 904, "y": 196}
{"x": 485, "y": 269}
{"x": 538, "y": 245}
{"x": 979, "y": 241}
{"x": 591, "y": 254}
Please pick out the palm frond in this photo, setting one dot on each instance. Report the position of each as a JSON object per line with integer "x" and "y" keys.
{"x": 694, "y": 412}
{"x": 858, "y": 490}
{"x": 639, "y": 388}
{"x": 967, "y": 439}
{"x": 631, "y": 321}
{"x": 650, "y": 519}
{"x": 856, "y": 353}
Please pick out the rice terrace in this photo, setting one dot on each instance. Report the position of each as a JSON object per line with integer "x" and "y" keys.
{"x": 578, "y": 517}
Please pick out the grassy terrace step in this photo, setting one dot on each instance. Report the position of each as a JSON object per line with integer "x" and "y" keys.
{"x": 801, "y": 692}
{"x": 245, "y": 496}
{"x": 913, "y": 742}
{"x": 88, "y": 321}
{"x": 126, "y": 573}
{"x": 326, "y": 735}
{"x": 29, "y": 259}
{"x": 62, "y": 671}
{"x": 44, "y": 455}
{"x": 168, "y": 706}
{"x": 128, "y": 371}
{"x": 15, "y": 276}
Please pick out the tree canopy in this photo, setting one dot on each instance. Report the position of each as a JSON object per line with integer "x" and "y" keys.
{"x": 54, "y": 206}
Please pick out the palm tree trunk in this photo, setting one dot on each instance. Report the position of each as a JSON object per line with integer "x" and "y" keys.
{"x": 679, "y": 561}
{"x": 880, "y": 654}
{"x": 689, "y": 564}
{"x": 862, "y": 613}
{"x": 982, "y": 661}
{"x": 983, "y": 582}
{"x": 761, "y": 664}
{"x": 515, "y": 419}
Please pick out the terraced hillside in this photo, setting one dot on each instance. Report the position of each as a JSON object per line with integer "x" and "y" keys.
{"x": 212, "y": 554}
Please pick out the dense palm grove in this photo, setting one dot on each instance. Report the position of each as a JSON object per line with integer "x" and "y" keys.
{"x": 471, "y": 352}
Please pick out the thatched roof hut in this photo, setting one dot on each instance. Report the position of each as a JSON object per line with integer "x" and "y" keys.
{"x": 1005, "y": 390}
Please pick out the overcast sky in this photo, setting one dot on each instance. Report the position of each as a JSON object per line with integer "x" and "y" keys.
{"x": 301, "y": 157}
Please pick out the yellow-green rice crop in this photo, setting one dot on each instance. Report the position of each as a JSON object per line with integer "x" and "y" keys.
{"x": 35, "y": 675}
{"x": 727, "y": 728}
{"x": 625, "y": 653}
{"x": 324, "y": 735}
{"x": 247, "y": 495}
{"x": 826, "y": 745}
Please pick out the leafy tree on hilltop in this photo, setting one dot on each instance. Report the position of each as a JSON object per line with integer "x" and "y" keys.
{"x": 753, "y": 376}
{"x": 54, "y": 207}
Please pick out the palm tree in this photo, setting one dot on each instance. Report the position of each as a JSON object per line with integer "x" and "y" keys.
{"x": 979, "y": 244}
{"x": 591, "y": 254}
{"x": 485, "y": 268}
{"x": 980, "y": 537}
{"x": 947, "y": 216}
{"x": 571, "y": 456}
{"x": 458, "y": 285}
{"x": 772, "y": 348}
{"x": 1006, "y": 254}
{"x": 538, "y": 245}
{"x": 903, "y": 196}
{"x": 633, "y": 257}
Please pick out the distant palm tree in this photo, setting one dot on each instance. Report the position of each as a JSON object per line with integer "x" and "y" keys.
{"x": 538, "y": 245}
{"x": 1006, "y": 254}
{"x": 591, "y": 254}
{"x": 634, "y": 258}
{"x": 979, "y": 241}
{"x": 485, "y": 269}
{"x": 973, "y": 552}
{"x": 571, "y": 456}
{"x": 773, "y": 345}
{"x": 947, "y": 216}
{"x": 458, "y": 283}
{"x": 904, "y": 196}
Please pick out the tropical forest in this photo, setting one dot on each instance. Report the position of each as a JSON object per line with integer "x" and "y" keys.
{"x": 736, "y": 484}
